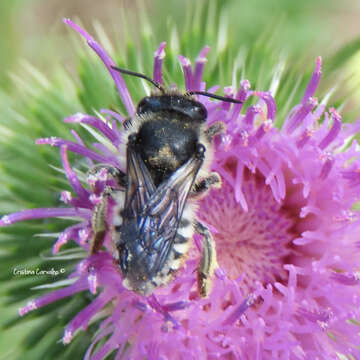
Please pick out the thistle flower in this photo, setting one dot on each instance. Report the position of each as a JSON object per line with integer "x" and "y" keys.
{"x": 286, "y": 236}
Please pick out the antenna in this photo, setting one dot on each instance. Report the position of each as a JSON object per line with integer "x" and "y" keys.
{"x": 133, "y": 73}
{"x": 218, "y": 97}
{"x": 160, "y": 87}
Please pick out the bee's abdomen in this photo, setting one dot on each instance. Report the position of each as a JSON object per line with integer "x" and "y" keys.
{"x": 183, "y": 237}
{"x": 135, "y": 265}
{"x": 177, "y": 255}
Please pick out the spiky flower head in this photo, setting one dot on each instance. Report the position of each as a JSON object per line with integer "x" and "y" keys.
{"x": 287, "y": 286}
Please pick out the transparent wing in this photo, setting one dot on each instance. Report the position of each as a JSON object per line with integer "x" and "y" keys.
{"x": 140, "y": 185}
{"x": 158, "y": 211}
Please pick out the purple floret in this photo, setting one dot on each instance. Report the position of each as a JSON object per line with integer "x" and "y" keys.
{"x": 287, "y": 286}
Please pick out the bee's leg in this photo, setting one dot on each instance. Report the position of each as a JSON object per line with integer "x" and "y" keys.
{"x": 128, "y": 123}
{"x": 98, "y": 221}
{"x": 99, "y": 224}
{"x": 199, "y": 189}
{"x": 118, "y": 175}
{"x": 215, "y": 129}
{"x": 208, "y": 261}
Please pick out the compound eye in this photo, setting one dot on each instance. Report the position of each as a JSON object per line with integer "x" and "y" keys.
{"x": 200, "y": 150}
{"x": 148, "y": 104}
{"x": 132, "y": 139}
{"x": 199, "y": 113}
{"x": 143, "y": 106}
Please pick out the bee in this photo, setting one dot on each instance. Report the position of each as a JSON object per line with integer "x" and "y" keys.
{"x": 168, "y": 156}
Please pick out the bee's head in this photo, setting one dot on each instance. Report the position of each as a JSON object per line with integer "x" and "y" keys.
{"x": 193, "y": 111}
{"x": 168, "y": 101}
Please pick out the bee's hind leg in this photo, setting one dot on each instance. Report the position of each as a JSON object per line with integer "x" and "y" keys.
{"x": 208, "y": 262}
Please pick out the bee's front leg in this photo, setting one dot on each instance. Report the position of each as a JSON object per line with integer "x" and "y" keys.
{"x": 208, "y": 262}
{"x": 204, "y": 185}
{"x": 215, "y": 129}
{"x": 115, "y": 173}
{"x": 98, "y": 222}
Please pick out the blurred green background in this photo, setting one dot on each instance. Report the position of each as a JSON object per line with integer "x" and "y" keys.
{"x": 32, "y": 30}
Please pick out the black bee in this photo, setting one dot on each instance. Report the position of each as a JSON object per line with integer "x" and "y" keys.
{"x": 169, "y": 151}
